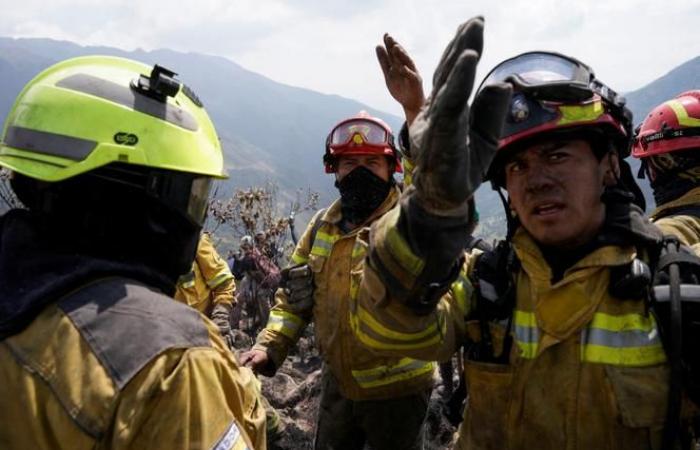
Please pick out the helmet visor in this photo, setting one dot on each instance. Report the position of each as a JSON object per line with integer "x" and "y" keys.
{"x": 359, "y": 131}
{"x": 544, "y": 75}
{"x": 186, "y": 193}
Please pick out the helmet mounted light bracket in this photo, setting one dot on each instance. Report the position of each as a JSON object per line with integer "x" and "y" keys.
{"x": 159, "y": 85}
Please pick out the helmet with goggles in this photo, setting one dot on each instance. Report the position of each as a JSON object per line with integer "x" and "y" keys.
{"x": 360, "y": 135}
{"x": 116, "y": 120}
{"x": 554, "y": 94}
{"x": 670, "y": 127}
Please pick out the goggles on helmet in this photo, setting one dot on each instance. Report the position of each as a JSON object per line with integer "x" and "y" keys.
{"x": 359, "y": 131}
{"x": 361, "y": 135}
{"x": 555, "y": 93}
{"x": 551, "y": 76}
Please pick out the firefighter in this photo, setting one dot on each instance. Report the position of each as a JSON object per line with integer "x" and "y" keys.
{"x": 209, "y": 287}
{"x": 561, "y": 350}
{"x": 114, "y": 162}
{"x": 365, "y": 399}
{"x": 668, "y": 144}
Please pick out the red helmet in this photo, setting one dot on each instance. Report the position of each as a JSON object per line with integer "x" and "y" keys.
{"x": 673, "y": 125}
{"x": 360, "y": 135}
{"x": 554, "y": 93}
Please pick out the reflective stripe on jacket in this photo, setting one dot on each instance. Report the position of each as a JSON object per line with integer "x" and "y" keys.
{"x": 587, "y": 370}
{"x": 333, "y": 256}
{"x": 210, "y": 282}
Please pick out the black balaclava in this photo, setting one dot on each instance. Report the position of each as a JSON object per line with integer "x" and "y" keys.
{"x": 672, "y": 175}
{"x": 361, "y": 193}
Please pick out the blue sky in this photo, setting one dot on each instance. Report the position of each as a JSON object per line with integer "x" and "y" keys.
{"x": 328, "y": 45}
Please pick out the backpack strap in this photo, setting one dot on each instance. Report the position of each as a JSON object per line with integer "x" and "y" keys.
{"x": 676, "y": 305}
{"x": 317, "y": 224}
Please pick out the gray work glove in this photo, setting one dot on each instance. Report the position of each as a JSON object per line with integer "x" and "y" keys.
{"x": 452, "y": 148}
{"x": 298, "y": 284}
{"x": 221, "y": 316}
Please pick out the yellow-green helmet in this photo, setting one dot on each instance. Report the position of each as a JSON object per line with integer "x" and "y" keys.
{"x": 84, "y": 113}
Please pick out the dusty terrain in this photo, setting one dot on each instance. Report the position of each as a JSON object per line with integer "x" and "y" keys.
{"x": 295, "y": 392}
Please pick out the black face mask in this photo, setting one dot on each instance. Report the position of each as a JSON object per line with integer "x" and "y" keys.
{"x": 361, "y": 192}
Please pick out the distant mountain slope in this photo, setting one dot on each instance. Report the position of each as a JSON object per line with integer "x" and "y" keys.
{"x": 270, "y": 131}
{"x": 682, "y": 78}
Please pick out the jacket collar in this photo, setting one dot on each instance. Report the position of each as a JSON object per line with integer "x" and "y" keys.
{"x": 690, "y": 198}
{"x": 32, "y": 275}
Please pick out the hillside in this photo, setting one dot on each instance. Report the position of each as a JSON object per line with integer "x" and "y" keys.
{"x": 274, "y": 132}
{"x": 269, "y": 131}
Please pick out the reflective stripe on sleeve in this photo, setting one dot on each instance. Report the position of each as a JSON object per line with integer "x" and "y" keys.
{"x": 462, "y": 292}
{"x": 375, "y": 335}
{"x": 625, "y": 340}
{"x": 408, "y": 168}
{"x": 299, "y": 259}
{"x": 405, "y": 369}
{"x": 223, "y": 275}
{"x": 285, "y": 323}
{"x": 402, "y": 252}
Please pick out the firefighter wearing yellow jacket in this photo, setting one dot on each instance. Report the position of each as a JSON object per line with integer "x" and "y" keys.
{"x": 668, "y": 144}
{"x": 114, "y": 162}
{"x": 209, "y": 287}
{"x": 381, "y": 401}
{"x": 561, "y": 351}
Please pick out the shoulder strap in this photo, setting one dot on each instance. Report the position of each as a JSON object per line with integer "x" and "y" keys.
{"x": 317, "y": 224}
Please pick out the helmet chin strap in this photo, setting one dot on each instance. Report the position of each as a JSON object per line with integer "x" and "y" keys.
{"x": 511, "y": 221}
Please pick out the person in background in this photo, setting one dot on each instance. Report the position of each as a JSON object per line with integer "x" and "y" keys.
{"x": 365, "y": 400}
{"x": 668, "y": 145}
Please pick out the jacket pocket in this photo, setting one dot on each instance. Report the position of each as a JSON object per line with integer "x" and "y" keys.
{"x": 641, "y": 397}
{"x": 485, "y": 423}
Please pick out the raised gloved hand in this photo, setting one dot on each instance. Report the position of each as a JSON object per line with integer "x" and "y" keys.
{"x": 221, "y": 316}
{"x": 402, "y": 78}
{"x": 451, "y": 145}
{"x": 298, "y": 284}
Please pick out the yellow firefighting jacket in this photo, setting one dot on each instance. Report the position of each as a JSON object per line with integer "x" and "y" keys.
{"x": 671, "y": 219}
{"x": 119, "y": 366}
{"x": 586, "y": 370}
{"x": 333, "y": 256}
{"x": 210, "y": 281}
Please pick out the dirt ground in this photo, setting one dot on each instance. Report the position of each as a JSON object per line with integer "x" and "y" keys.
{"x": 295, "y": 393}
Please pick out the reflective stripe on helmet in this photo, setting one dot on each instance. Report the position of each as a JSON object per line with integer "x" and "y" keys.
{"x": 53, "y": 144}
{"x": 125, "y": 96}
{"x": 682, "y": 114}
{"x": 573, "y": 114}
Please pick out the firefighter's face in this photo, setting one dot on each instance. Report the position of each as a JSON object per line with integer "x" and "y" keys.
{"x": 555, "y": 190}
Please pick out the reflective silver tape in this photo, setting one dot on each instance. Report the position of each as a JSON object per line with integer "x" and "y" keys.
{"x": 123, "y": 95}
{"x": 620, "y": 339}
{"x": 528, "y": 335}
{"x": 48, "y": 143}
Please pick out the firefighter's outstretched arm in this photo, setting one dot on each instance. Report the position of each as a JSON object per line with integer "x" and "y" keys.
{"x": 416, "y": 250}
